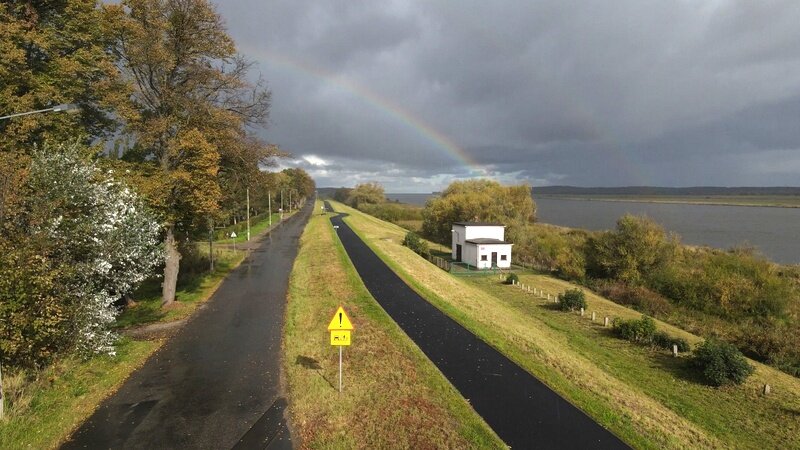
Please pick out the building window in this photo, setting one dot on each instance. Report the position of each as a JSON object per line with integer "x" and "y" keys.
{"x": 502, "y": 257}
{"x": 484, "y": 258}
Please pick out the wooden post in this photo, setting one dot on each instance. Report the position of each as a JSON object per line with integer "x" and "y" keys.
{"x": 2, "y": 400}
{"x": 593, "y": 316}
{"x": 675, "y": 350}
{"x": 605, "y": 322}
{"x": 581, "y": 312}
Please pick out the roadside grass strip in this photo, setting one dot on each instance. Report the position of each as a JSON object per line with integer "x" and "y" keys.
{"x": 192, "y": 292}
{"x": 645, "y": 396}
{"x": 393, "y": 396}
{"x": 47, "y": 409}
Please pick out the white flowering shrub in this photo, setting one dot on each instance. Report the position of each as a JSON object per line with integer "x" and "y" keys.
{"x": 98, "y": 241}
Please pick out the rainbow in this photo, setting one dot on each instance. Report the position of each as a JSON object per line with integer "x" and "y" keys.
{"x": 381, "y": 103}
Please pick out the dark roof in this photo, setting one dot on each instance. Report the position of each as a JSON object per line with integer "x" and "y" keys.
{"x": 479, "y": 224}
{"x": 481, "y": 241}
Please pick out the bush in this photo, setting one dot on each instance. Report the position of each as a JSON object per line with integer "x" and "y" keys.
{"x": 572, "y": 299}
{"x": 641, "y": 331}
{"x": 640, "y": 298}
{"x": 664, "y": 340}
{"x": 414, "y": 242}
{"x": 721, "y": 363}
{"x": 512, "y": 278}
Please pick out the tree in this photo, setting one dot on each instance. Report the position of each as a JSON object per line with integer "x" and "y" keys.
{"x": 52, "y": 53}
{"x": 477, "y": 200}
{"x": 77, "y": 242}
{"x": 192, "y": 109}
{"x": 366, "y": 193}
{"x": 634, "y": 250}
{"x": 341, "y": 194}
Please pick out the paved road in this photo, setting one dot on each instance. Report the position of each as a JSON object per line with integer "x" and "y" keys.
{"x": 215, "y": 384}
{"x": 523, "y": 411}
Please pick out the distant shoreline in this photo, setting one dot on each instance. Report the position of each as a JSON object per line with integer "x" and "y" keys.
{"x": 763, "y": 201}
{"x": 766, "y": 202}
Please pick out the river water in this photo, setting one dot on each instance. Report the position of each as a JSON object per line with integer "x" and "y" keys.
{"x": 773, "y": 231}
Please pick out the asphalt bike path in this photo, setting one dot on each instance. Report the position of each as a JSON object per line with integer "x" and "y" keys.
{"x": 216, "y": 383}
{"x": 522, "y": 410}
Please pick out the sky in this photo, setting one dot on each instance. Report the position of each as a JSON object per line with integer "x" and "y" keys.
{"x": 417, "y": 94}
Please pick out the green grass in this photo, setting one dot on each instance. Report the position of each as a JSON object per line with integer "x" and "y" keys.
{"x": 192, "y": 291}
{"x": 645, "y": 396}
{"x": 43, "y": 412}
{"x": 393, "y": 397}
{"x": 258, "y": 225}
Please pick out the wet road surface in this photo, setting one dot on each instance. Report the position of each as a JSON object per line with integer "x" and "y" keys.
{"x": 522, "y": 410}
{"x": 216, "y": 383}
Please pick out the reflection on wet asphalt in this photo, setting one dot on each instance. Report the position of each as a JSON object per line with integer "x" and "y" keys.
{"x": 216, "y": 382}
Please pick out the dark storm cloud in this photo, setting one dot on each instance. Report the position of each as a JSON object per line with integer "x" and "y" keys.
{"x": 567, "y": 92}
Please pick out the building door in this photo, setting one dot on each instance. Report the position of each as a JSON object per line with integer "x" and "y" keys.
{"x": 494, "y": 259}
{"x": 458, "y": 252}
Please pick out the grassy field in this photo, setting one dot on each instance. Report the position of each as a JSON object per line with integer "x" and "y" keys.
{"x": 780, "y": 201}
{"x": 645, "y": 396}
{"x": 393, "y": 396}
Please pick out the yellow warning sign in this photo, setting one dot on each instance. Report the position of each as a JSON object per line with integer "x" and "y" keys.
{"x": 340, "y": 337}
{"x": 340, "y": 321}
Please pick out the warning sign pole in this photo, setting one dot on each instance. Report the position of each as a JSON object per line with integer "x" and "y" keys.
{"x": 340, "y": 328}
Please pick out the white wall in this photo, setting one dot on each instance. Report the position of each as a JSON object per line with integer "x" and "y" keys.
{"x": 469, "y": 254}
{"x": 458, "y": 238}
{"x": 492, "y": 232}
{"x": 487, "y": 249}
{"x": 461, "y": 234}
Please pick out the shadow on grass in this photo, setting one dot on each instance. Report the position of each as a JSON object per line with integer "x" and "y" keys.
{"x": 308, "y": 363}
{"x": 680, "y": 368}
{"x": 312, "y": 364}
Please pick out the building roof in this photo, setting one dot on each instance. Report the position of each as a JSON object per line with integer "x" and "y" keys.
{"x": 479, "y": 224}
{"x": 483, "y": 241}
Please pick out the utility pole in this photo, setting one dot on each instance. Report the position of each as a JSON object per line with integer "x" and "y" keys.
{"x": 2, "y": 400}
{"x": 290, "y": 200}
{"x": 269, "y": 206}
{"x": 211, "y": 243}
{"x": 281, "y": 204}
{"x": 248, "y": 213}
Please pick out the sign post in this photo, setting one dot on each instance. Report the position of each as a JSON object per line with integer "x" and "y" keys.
{"x": 340, "y": 328}
{"x": 233, "y": 239}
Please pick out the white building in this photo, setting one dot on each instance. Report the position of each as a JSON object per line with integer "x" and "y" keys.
{"x": 481, "y": 245}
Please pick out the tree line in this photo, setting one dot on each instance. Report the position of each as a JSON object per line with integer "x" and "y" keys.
{"x": 164, "y": 146}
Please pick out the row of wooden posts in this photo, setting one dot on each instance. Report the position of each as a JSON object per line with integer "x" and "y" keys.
{"x": 554, "y": 298}
{"x": 541, "y": 294}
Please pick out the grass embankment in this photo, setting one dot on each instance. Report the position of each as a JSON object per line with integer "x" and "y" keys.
{"x": 777, "y": 201}
{"x": 43, "y": 408}
{"x": 645, "y": 396}
{"x": 393, "y": 396}
{"x": 43, "y": 412}
{"x": 258, "y": 224}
